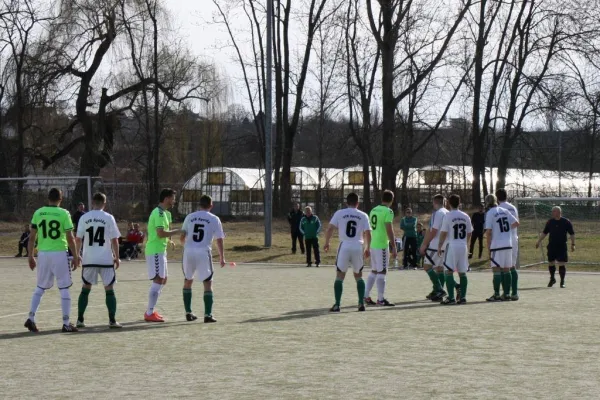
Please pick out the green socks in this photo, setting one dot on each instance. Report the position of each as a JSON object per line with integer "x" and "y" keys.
{"x": 515, "y": 281}
{"x": 360, "y": 287}
{"x": 111, "y": 304}
{"x": 450, "y": 284}
{"x": 82, "y": 303}
{"x": 464, "y": 282}
{"x": 507, "y": 283}
{"x": 338, "y": 288}
{"x": 441, "y": 278}
{"x": 208, "y": 303}
{"x": 497, "y": 283}
{"x": 187, "y": 300}
{"x": 433, "y": 276}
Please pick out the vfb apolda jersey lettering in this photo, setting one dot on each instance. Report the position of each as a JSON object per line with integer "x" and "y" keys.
{"x": 498, "y": 220}
{"x": 379, "y": 217}
{"x": 52, "y": 223}
{"x": 351, "y": 224}
{"x": 96, "y": 229}
{"x": 458, "y": 226}
{"x": 436, "y": 221}
{"x": 201, "y": 227}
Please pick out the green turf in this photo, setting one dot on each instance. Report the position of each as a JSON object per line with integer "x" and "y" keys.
{"x": 276, "y": 340}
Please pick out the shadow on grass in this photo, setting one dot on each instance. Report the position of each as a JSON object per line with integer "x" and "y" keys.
{"x": 533, "y": 288}
{"x": 100, "y": 329}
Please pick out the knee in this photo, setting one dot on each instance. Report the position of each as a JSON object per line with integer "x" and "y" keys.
{"x": 65, "y": 294}
{"x": 38, "y": 291}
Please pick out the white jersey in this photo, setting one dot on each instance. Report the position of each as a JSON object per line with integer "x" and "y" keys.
{"x": 515, "y": 213}
{"x": 457, "y": 225}
{"x": 499, "y": 221}
{"x": 201, "y": 227}
{"x": 97, "y": 228}
{"x": 351, "y": 224}
{"x": 437, "y": 219}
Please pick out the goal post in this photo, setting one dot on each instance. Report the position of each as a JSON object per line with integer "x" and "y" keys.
{"x": 534, "y": 212}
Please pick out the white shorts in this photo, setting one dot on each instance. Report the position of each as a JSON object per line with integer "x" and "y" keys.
{"x": 347, "y": 255}
{"x": 380, "y": 259}
{"x": 432, "y": 258}
{"x": 502, "y": 258}
{"x": 157, "y": 265}
{"x": 198, "y": 262}
{"x": 456, "y": 258}
{"x": 53, "y": 264}
{"x": 89, "y": 275}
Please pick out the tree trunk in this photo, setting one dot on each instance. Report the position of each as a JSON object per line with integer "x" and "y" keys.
{"x": 366, "y": 181}
{"x": 592, "y": 155}
{"x": 388, "y": 176}
{"x": 503, "y": 161}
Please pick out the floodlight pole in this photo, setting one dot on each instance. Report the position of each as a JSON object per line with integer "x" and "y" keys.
{"x": 268, "y": 130}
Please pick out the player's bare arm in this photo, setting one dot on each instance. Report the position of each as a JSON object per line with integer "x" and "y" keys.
{"x": 31, "y": 247}
{"x": 443, "y": 236}
{"x": 115, "y": 249}
{"x": 572, "y": 242}
{"x": 542, "y": 237}
{"x": 74, "y": 250}
{"x": 367, "y": 236}
{"x": 390, "y": 233}
{"x": 221, "y": 252}
{"x": 328, "y": 235}
{"x": 161, "y": 233}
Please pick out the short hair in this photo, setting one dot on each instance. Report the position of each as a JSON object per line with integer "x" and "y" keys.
{"x": 408, "y": 209}
{"x": 308, "y": 208}
{"x": 55, "y": 194}
{"x": 491, "y": 200}
{"x": 99, "y": 199}
{"x": 205, "y": 201}
{"x": 167, "y": 192}
{"x": 501, "y": 194}
{"x": 438, "y": 199}
{"x": 352, "y": 199}
{"x": 454, "y": 200}
{"x": 388, "y": 196}
{"x": 557, "y": 208}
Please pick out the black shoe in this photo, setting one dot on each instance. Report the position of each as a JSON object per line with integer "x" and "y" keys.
{"x": 463, "y": 300}
{"x": 209, "y": 319}
{"x": 335, "y": 308}
{"x": 430, "y": 295}
{"x": 190, "y": 317}
{"x": 69, "y": 328}
{"x": 29, "y": 324}
{"x": 448, "y": 302}
{"x": 385, "y": 303}
{"x": 302, "y": 251}
{"x": 361, "y": 307}
{"x": 494, "y": 298}
{"x": 317, "y": 265}
{"x": 552, "y": 282}
{"x": 293, "y": 251}
{"x": 18, "y": 255}
{"x": 369, "y": 301}
{"x": 562, "y": 285}
{"x": 308, "y": 265}
{"x": 436, "y": 298}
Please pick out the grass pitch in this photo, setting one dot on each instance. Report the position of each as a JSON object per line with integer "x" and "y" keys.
{"x": 276, "y": 340}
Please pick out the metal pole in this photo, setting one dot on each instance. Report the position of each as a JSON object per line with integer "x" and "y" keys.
{"x": 89, "y": 191}
{"x": 268, "y": 127}
{"x": 560, "y": 163}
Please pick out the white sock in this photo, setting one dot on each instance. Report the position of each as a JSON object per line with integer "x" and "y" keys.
{"x": 370, "y": 283}
{"x": 380, "y": 286}
{"x": 155, "y": 289}
{"x": 65, "y": 305}
{"x": 36, "y": 298}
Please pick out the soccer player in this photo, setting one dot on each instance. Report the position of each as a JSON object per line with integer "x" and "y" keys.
{"x": 514, "y": 275}
{"x": 381, "y": 218}
{"x": 432, "y": 263}
{"x": 557, "y": 227}
{"x": 197, "y": 234}
{"x": 499, "y": 224}
{"x": 156, "y": 250}
{"x": 98, "y": 237}
{"x": 56, "y": 236}
{"x": 355, "y": 232}
{"x": 457, "y": 229}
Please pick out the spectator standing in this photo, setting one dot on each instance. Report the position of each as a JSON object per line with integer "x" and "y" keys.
{"x": 77, "y": 215}
{"x": 294, "y": 218}
{"x": 408, "y": 224}
{"x": 310, "y": 227}
{"x": 23, "y": 242}
{"x": 478, "y": 222}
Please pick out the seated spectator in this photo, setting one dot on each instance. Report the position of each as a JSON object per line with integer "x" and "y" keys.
{"x": 134, "y": 239}
{"x": 23, "y": 242}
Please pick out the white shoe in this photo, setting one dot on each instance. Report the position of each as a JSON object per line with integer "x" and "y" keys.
{"x": 114, "y": 325}
{"x": 80, "y": 324}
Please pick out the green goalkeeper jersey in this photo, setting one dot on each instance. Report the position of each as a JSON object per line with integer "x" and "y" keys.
{"x": 379, "y": 217}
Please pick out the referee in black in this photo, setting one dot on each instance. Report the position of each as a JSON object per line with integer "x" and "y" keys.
{"x": 557, "y": 227}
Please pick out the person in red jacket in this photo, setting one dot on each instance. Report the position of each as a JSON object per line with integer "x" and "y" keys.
{"x": 135, "y": 238}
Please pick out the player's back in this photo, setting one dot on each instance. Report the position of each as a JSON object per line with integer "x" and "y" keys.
{"x": 378, "y": 217}
{"x": 52, "y": 223}
{"x": 457, "y": 224}
{"x": 97, "y": 228}
{"x": 351, "y": 224}
{"x": 201, "y": 228}
{"x": 499, "y": 221}
{"x": 511, "y": 209}
{"x": 437, "y": 219}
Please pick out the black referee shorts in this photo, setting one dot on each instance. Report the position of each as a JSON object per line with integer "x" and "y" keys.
{"x": 558, "y": 253}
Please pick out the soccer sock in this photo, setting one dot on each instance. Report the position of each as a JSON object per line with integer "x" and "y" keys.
{"x": 497, "y": 283}
{"x": 36, "y": 298}
{"x": 515, "y": 281}
{"x": 435, "y": 280}
{"x": 464, "y": 282}
{"x": 562, "y": 271}
{"x": 370, "y": 283}
{"x": 65, "y": 305}
{"x": 507, "y": 283}
{"x": 153, "y": 297}
{"x": 338, "y": 288}
{"x": 111, "y": 304}
{"x": 360, "y": 287}
{"x": 380, "y": 286}
{"x": 187, "y": 300}
{"x": 208, "y": 303}
{"x": 450, "y": 286}
{"x": 442, "y": 278}
{"x": 552, "y": 270}
{"x": 82, "y": 303}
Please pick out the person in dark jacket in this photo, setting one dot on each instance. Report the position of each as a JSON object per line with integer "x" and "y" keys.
{"x": 310, "y": 227}
{"x": 23, "y": 242}
{"x": 478, "y": 221}
{"x": 294, "y": 217}
{"x": 409, "y": 225}
{"x": 77, "y": 215}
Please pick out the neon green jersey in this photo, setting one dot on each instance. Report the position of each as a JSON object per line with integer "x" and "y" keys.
{"x": 52, "y": 223}
{"x": 378, "y": 217}
{"x": 159, "y": 218}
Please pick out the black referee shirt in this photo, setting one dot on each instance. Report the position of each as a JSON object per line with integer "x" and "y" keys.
{"x": 557, "y": 230}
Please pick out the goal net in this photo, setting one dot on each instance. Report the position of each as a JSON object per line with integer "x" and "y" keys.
{"x": 584, "y": 213}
